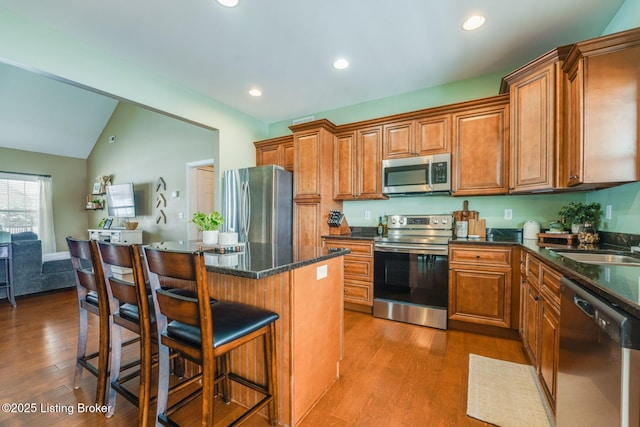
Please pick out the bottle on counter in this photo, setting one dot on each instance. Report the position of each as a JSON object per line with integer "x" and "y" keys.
{"x": 384, "y": 225}
{"x": 380, "y": 226}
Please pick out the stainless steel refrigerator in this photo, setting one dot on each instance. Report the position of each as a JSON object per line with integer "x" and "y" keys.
{"x": 258, "y": 204}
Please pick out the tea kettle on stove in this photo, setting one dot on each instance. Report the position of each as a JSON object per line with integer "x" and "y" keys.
{"x": 530, "y": 230}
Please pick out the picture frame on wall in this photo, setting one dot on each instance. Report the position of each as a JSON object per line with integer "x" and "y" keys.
{"x": 107, "y": 224}
{"x": 96, "y": 188}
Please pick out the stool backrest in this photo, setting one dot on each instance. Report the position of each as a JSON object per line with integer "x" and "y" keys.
{"x": 88, "y": 271}
{"x": 133, "y": 291}
{"x": 170, "y": 271}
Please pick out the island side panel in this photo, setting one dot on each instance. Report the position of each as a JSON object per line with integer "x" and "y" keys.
{"x": 317, "y": 331}
{"x": 272, "y": 293}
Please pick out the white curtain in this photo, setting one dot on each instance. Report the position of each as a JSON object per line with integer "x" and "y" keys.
{"x": 46, "y": 232}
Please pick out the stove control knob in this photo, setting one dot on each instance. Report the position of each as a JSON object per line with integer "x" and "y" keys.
{"x": 436, "y": 220}
{"x": 444, "y": 220}
{"x": 403, "y": 221}
{"x": 394, "y": 220}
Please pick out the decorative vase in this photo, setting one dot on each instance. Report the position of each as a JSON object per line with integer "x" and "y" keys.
{"x": 210, "y": 237}
{"x": 588, "y": 234}
{"x": 575, "y": 228}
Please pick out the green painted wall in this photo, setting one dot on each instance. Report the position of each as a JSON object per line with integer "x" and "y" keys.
{"x": 149, "y": 146}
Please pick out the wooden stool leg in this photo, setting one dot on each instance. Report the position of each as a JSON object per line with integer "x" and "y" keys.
{"x": 164, "y": 368}
{"x": 103, "y": 360}
{"x": 116, "y": 357}
{"x": 270, "y": 363}
{"x": 82, "y": 347}
{"x": 224, "y": 370}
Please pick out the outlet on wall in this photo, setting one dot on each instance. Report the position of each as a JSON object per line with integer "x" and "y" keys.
{"x": 367, "y": 215}
{"x": 508, "y": 214}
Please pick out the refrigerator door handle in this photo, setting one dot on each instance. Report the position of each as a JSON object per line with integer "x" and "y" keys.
{"x": 247, "y": 211}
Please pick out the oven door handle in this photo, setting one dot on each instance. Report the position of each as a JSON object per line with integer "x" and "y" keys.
{"x": 427, "y": 250}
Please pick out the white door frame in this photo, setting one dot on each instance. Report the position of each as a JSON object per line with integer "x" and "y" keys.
{"x": 190, "y": 166}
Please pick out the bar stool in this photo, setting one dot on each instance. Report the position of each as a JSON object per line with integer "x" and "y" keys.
{"x": 202, "y": 331}
{"x": 92, "y": 298}
{"x": 129, "y": 308}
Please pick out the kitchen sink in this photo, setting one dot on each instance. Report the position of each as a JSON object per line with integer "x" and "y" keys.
{"x": 600, "y": 258}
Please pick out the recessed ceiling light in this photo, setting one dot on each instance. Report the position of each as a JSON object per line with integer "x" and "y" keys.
{"x": 474, "y": 22}
{"x": 340, "y": 64}
{"x": 229, "y": 3}
{"x": 255, "y": 92}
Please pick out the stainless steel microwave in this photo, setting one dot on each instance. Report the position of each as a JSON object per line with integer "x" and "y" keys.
{"x": 417, "y": 175}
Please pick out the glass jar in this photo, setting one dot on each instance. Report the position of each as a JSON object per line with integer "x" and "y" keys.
{"x": 588, "y": 235}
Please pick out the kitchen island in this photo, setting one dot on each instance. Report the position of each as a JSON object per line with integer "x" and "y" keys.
{"x": 304, "y": 285}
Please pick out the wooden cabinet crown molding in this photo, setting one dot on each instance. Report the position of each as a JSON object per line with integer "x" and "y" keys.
{"x": 600, "y": 45}
{"x": 558, "y": 54}
{"x": 314, "y": 125}
{"x": 274, "y": 141}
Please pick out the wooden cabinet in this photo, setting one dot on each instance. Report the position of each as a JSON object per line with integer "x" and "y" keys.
{"x": 358, "y": 269}
{"x": 536, "y": 93}
{"x": 480, "y": 285}
{"x": 276, "y": 151}
{"x": 312, "y": 181}
{"x": 481, "y": 148}
{"x": 541, "y": 322}
{"x": 418, "y": 137}
{"x": 602, "y": 111}
{"x": 357, "y": 164}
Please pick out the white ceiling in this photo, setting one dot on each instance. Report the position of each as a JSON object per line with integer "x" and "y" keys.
{"x": 286, "y": 47}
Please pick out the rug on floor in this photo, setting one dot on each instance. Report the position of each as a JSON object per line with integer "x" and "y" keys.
{"x": 505, "y": 394}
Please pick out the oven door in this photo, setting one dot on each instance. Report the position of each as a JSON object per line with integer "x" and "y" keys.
{"x": 413, "y": 278}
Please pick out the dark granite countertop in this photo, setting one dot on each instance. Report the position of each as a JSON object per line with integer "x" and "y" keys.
{"x": 617, "y": 284}
{"x": 256, "y": 260}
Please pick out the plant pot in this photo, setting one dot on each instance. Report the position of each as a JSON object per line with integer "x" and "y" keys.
{"x": 575, "y": 228}
{"x": 210, "y": 237}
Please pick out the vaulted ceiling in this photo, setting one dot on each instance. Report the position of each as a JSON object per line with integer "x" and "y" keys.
{"x": 285, "y": 48}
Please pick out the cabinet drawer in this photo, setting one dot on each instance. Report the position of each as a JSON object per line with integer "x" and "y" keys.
{"x": 550, "y": 283}
{"x": 358, "y": 268}
{"x": 533, "y": 271}
{"x": 480, "y": 255}
{"x": 357, "y": 292}
{"x": 362, "y": 248}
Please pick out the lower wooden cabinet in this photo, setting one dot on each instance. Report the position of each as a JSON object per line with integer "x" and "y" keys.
{"x": 358, "y": 269}
{"x": 480, "y": 285}
{"x": 541, "y": 321}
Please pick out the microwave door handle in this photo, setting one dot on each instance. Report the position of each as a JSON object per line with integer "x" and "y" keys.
{"x": 430, "y": 172}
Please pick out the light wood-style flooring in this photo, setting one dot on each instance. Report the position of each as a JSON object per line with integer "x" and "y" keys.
{"x": 392, "y": 374}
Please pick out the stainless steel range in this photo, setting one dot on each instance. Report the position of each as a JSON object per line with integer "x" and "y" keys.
{"x": 411, "y": 270}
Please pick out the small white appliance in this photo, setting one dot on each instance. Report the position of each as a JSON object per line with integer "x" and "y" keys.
{"x": 530, "y": 230}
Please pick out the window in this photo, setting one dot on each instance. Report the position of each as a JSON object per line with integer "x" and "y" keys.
{"x": 19, "y": 204}
{"x": 25, "y": 205}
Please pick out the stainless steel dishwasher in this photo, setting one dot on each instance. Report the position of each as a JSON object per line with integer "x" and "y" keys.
{"x": 599, "y": 362}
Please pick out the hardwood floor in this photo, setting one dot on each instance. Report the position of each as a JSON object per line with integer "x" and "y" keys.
{"x": 392, "y": 374}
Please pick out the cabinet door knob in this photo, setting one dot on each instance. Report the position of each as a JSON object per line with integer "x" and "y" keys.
{"x": 536, "y": 297}
{"x": 573, "y": 177}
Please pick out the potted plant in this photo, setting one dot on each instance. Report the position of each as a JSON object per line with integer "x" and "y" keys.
{"x": 209, "y": 225}
{"x": 578, "y": 214}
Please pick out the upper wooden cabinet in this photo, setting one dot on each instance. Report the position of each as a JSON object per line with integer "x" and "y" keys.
{"x": 480, "y": 151}
{"x": 276, "y": 151}
{"x": 602, "y": 111}
{"x": 419, "y": 137}
{"x": 313, "y": 181}
{"x": 357, "y": 164}
{"x": 536, "y": 100}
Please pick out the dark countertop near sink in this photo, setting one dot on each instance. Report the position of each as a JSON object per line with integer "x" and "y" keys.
{"x": 256, "y": 260}
{"x": 617, "y": 284}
